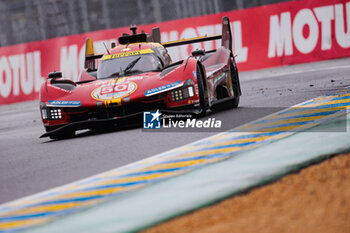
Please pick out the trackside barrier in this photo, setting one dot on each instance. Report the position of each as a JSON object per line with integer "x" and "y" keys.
{"x": 53, "y": 204}
{"x": 273, "y": 35}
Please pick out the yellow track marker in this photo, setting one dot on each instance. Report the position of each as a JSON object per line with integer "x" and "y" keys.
{"x": 22, "y": 223}
{"x": 306, "y": 111}
{"x": 285, "y": 121}
{"x": 327, "y": 103}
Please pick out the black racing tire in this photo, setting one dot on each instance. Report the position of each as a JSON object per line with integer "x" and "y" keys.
{"x": 202, "y": 92}
{"x": 235, "y": 86}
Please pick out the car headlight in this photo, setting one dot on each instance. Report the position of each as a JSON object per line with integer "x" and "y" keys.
{"x": 55, "y": 113}
{"x": 51, "y": 113}
{"x": 44, "y": 113}
{"x": 182, "y": 93}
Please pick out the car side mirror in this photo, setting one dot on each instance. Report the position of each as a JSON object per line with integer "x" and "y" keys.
{"x": 54, "y": 75}
{"x": 198, "y": 52}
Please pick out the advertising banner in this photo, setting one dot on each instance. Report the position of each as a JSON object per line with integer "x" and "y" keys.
{"x": 267, "y": 36}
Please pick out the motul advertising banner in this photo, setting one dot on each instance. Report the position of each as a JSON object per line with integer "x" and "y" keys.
{"x": 268, "y": 36}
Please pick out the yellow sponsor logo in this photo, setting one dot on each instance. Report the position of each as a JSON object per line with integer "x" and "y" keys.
{"x": 117, "y": 80}
{"x": 113, "y": 102}
{"x": 127, "y": 54}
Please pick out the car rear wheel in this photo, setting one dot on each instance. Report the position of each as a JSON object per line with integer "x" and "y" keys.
{"x": 235, "y": 86}
{"x": 202, "y": 92}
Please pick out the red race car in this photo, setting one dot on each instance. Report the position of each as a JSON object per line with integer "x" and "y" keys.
{"x": 138, "y": 75}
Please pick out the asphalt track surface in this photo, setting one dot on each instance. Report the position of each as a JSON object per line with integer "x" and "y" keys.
{"x": 29, "y": 164}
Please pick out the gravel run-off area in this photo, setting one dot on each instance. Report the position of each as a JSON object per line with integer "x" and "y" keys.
{"x": 316, "y": 199}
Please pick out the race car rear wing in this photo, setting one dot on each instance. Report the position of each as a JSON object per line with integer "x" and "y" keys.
{"x": 191, "y": 41}
{"x": 226, "y": 37}
{"x": 226, "y": 41}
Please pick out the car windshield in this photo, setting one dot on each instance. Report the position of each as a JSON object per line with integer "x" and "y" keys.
{"x": 128, "y": 65}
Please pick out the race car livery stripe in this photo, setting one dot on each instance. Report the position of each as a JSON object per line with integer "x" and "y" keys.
{"x": 163, "y": 88}
{"x": 127, "y": 54}
{"x": 47, "y": 206}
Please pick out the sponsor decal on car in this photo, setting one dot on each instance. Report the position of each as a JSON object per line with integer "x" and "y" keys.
{"x": 194, "y": 74}
{"x": 114, "y": 91}
{"x": 135, "y": 78}
{"x": 64, "y": 103}
{"x": 125, "y": 49}
{"x": 126, "y": 54}
{"x": 163, "y": 88}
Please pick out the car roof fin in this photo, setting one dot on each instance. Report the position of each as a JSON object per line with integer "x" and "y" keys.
{"x": 90, "y": 56}
{"x": 226, "y": 40}
{"x": 155, "y": 35}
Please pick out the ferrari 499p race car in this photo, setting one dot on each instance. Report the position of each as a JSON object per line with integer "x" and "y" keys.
{"x": 138, "y": 75}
